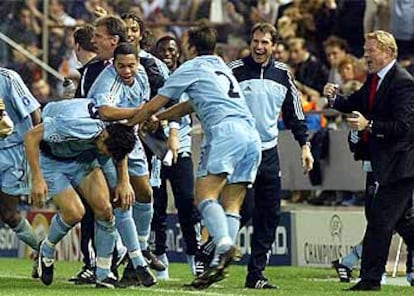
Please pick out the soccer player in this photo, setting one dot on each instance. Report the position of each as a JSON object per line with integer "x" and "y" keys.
{"x": 71, "y": 138}
{"x": 19, "y": 112}
{"x": 107, "y": 33}
{"x": 269, "y": 89}
{"x": 119, "y": 89}
{"x": 231, "y": 151}
{"x": 180, "y": 175}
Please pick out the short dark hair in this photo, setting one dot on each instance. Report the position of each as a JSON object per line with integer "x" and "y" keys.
{"x": 203, "y": 38}
{"x": 333, "y": 40}
{"x": 114, "y": 25}
{"x": 266, "y": 28}
{"x": 121, "y": 140}
{"x": 168, "y": 38}
{"x": 83, "y": 36}
{"x": 125, "y": 48}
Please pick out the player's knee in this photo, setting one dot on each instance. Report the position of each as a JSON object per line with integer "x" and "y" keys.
{"x": 145, "y": 195}
{"x": 104, "y": 212}
{"x": 73, "y": 215}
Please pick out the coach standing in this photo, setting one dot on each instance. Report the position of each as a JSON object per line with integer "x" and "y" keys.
{"x": 383, "y": 109}
{"x": 269, "y": 89}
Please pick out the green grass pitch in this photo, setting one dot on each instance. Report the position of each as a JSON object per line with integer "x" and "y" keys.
{"x": 15, "y": 280}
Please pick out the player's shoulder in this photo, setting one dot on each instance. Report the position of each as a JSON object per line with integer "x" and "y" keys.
{"x": 9, "y": 74}
{"x": 233, "y": 65}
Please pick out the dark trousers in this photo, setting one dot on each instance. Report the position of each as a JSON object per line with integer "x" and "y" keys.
{"x": 266, "y": 212}
{"x": 87, "y": 236}
{"x": 389, "y": 210}
{"x": 181, "y": 178}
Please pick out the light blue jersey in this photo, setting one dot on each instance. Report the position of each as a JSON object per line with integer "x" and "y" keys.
{"x": 19, "y": 104}
{"x": 109, "y": 89}
{"x": 231, "y": 144}
{"x": 69, "y": 151}
{"x": 71, "y": 127}
{"x": 213, "y": 91}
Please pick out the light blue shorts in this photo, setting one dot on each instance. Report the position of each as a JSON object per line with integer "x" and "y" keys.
{"x": 137, "y": 165}
{"x": 61, "y": 175}
{"x": 14, "y": 178}
{"x": 233, "y": 149}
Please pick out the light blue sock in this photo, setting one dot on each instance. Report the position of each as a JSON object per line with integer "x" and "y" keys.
{"x": 352, "y": 258}
{"x": 58, "y": 229}
{"x": 143, "y": 216}
{"x": 216, "y": 223}
{"x": 25, "y": 233}
{"x": 126, "y": 228}
{"x": 105, "y": 236}
{"x": 233, "y": 222}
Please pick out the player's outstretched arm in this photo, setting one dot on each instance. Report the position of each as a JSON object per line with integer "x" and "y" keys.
{"x": 145, "y": 111}
{"x": 32, "y": 145}
{"x": 176, "y": 111}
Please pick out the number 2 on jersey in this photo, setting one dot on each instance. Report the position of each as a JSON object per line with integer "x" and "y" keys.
{"x": 231, "y": 92}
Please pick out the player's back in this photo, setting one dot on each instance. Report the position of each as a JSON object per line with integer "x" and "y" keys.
{"x": 19, "y": 103}
{"x": 70, "y": 127}
{"x": 214, "y": 92}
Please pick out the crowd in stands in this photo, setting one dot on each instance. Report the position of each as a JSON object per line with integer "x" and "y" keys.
{"x": 321, "y": 40}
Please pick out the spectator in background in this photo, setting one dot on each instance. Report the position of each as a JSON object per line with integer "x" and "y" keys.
{"x": 282, "y": 52}
{"x": 41, "y": 90}
{"x": 335, "y": 50}
{"x": 348, "y": 24}
{"x": 377, "y": 15}
{"x": 402, "y": 26}
{"x": 308, "y": 69}
{"x": 346, "y": 69}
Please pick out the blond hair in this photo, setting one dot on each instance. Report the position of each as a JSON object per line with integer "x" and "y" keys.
{"x": 385, "y": 41}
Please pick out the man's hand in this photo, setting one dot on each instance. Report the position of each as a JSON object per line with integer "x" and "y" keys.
{"x": 173, "y": 143}
{"x": 39, "y": 192}
{"x": 330, "y": 90}
{"x": 124, "y": 194}
{"x": 151, "y": 125}
{"x": 357, "y": 121}
{"x": 307, "y": 159}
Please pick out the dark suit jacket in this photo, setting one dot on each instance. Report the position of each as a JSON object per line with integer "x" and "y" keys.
{"x": 390, "y": 145}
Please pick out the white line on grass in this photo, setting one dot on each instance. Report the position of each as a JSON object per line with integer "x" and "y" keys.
{"x": 153, "y": 289}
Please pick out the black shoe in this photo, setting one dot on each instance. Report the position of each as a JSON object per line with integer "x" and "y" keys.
{"x": 145, "y": 276}
{"x": 262, "y": 283}
{"x": 110, "y": 282}
{"x": 344, "y": 273}
{"x": 227, "y": 257}
{"x": 365, "y": 286}
{"x": 129, "y": 277}
{"x": 45, "y": 269}
{"x": 85, "y": 277}
{"x": 153, "y": 261}
{"x": 207, "y": 278}
{"x": 200, "y": 267}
